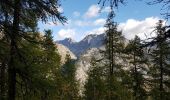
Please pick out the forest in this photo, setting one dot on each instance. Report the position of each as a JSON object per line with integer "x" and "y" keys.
{"x": 31, "y": 67}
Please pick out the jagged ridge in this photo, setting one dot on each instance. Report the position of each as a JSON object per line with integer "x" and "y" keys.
{"x": 90, "y": 41}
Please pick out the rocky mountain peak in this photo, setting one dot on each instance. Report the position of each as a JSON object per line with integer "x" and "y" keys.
{"x": 89, "y": 37}
{"x": 68, "y": 40}
{"x": 90, "y": 41}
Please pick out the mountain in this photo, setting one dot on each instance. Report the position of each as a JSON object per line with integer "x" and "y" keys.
{"x": 63, "y": 51}
{"x": 83, "y": 65}
{"x": 90, "y": 41}
{"x": 67, "y": 41}
{"x": 91, "y": 47}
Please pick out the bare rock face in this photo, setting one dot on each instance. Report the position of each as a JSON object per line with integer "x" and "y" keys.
{"x": 63, "y": 51}
{"x": 90, "y": 41}
{"x": 83, "y": 65}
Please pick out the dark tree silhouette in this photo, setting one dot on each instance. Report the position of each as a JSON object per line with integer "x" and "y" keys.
{"x": 23, "y": 17}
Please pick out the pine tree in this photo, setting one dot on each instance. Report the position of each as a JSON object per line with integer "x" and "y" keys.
{"x": 95, "y": 84}
{"x": 39, "y": 80}
{"x": 69, "y": 85}
{"x": 21, "y": 21}
{"x": 51, "y": 63}
{"x": 4, "y": 53}
{"x": 159, "y": 71}
{"x": 138, "y": 70}
{"x": 114, "y": 43}
{"x": 114, "y": 49}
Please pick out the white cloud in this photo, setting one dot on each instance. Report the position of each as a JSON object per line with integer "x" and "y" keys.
{"x": 134, "y": 27}
{"x": 100, "y": 21}
{"x": 99, "y": 30}
{"x": 66, "y": 33}
{"x": 92, "y": 12}
{"x": 76, "y": 14}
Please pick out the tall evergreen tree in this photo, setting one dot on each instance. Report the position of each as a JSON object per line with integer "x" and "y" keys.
{"x": 114, "y": 48}
{"x": 4, "y": 53}
{"x": 138, "y": 70}
{"x": 69, "y": 85}
{"x": 23, "y": 16}
{"x": 114, "y": 43}
{"x": 39, "y": 79}
{"x": 160, "y": 69}
{"x": 95, "y": 88}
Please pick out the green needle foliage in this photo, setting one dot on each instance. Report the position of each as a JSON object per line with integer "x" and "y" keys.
{"x": 115, "y": 73}
{"x": 138, "y": 68}
{"x": 159, "y": 72}
{"x": 69, "y": 85}
{"x": 17, "y": 19}
{"x": 95, "y": 81}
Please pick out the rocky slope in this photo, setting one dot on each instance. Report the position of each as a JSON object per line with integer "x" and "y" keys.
{"x": 83, "y": 64}
{"x": 63, "y": 51}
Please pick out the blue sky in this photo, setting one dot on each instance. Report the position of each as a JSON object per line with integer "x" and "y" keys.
{"x": 134, "y": 18}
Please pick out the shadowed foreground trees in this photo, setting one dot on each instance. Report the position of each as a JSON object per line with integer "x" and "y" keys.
{"x": 138, "y": 68}
{"x": 16, "y": 20}
{"x": 160, "y": 70}
{"x": 70, "y": 84}
{"x": 41, "y": 78}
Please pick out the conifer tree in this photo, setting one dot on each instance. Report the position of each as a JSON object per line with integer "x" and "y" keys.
{"x": 114, "y": 49}
{"x": 23, "y": 17}
{"x": 70, "y": 85}
{"x": 39, "y": 80}
{"x": 114, "y": 43}
{"x": 95, "y": 88}
{"x": 4, "y": 53}
{"x": 160, "y": 69}
{"x": 138, "y": 70}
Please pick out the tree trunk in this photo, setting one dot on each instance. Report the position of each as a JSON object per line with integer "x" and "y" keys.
{"x": 13, "y": 52}
{"x": 3, "y": 66}
{"x": 2, "y": 82}
{"x": 161, "y": 72}
{"x": 135, "y": 77}
{"x": 11, "y": 78}
{"x": 12, "y": 72}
